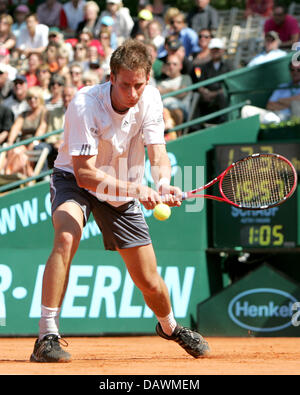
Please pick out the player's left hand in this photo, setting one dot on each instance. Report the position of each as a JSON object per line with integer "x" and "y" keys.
{"x": 171, "y": 195}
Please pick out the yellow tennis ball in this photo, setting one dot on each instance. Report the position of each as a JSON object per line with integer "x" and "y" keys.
{"x": 162, "y": 212}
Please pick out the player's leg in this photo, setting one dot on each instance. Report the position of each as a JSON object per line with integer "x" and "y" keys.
{"x": 68, "y": 224}
{"x": 142, "y": 267}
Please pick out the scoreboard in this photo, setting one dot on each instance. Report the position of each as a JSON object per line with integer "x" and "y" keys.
{"x": 272, "y": 228}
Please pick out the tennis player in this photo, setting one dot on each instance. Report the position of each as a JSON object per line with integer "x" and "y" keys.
{"x": 99, "y": 169}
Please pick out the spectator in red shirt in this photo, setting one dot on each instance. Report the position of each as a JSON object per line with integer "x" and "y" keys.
{"x": 262, "y": 8}
{"x": 285, "y": 25}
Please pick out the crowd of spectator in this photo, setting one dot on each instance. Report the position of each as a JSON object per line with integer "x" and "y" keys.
{"x": 49, "y": 54}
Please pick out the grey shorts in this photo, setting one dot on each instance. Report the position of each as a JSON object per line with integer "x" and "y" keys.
{"x": 121, "y": 227}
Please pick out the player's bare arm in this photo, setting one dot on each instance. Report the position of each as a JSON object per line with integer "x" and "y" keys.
{"x": 161, "y": 173}
{"x": 88, "y": 176}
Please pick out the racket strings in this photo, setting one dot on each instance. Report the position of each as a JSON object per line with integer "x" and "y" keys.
{"x": 258, "y": 181}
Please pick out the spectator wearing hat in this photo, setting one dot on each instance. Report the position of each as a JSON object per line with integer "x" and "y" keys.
{"x": 186, "y": 35}
{"x": 6, "y": 85}
{"x": 55, "y": 35}
{"x": 173, "y": 46}
{"x": 212, "y": 96}
{"x": 5, "y": 59}
{"x": 6, "y": 121}
{"x": 123, "y": 22}
{"x": 20, "y": 14}
{"x": 203, "y": 16}
{"x": 106, "y": 24}
{"x": 17, "y": 100}
{"x": 74, "y": 11}
{"x": 91, "y": 18}
{"x": 7, "y": 38}
{"x": 33, "y": 37}
{"x": 140, "y": 25}
{"x": 51, "y": 13}
{"x": 271, "y": 50}
{"x": 285, "y": 25}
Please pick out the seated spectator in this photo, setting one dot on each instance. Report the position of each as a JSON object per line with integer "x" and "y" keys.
{"x": 204, "y": 55}
{"x": 44, "y": 75}
{"x": 140, "y": 26}
{"x": 154, "y": 33}
{"x": 157, "y": 64}
{"x": 63, "y": 58}
{"x": 105, "y": 40}
{"x": 80, "y": 55}
{"x": 285, "y": 25}
{"x": 30, "y": 123}
{"x": 76, "y": 75}
{"x": 6, "y": 122}
{"x": 203, "y": 16}
{"x": 33, "y": 37}
{"x": 74, "y": 11}
{"x": 173, "y": 46}
{"x": 55, "y": 35}
{"x": 168, "y": 16}
{"x": 90, "y": 78}
{"x": 51, "y": 13}
{"x": 6, "y": 85}
{"x": 50, "y": 56}
{"x": 91, "y": 18}
{"x": 283, "y": 103}
{"x": 212, "y": 97}
{"x": 56, "y": 84}
{"x": 106, "y": 24}
{"x": 263, "y": 8}
{"x": 55, "y": 121}
{"x": 86, "y": 37}
{"x": 5, "y": 58}
{"x": 34, "y": 62}
{"x": 271, "y": 50}
{"x": 186, "y": 35}
{"x": 20, "y": 14}
{"x": 17, "y": 100}
{"x": 123, "y": 22}
{"x": 7, "y": 38}
{"x": 177, "y": 105}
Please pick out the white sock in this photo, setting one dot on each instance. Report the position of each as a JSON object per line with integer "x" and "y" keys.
{"x": 168, "y": 323}
{"x": 49, "y": 322}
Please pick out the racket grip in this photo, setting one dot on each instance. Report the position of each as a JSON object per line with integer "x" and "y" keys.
{"x": 184, "y": 195}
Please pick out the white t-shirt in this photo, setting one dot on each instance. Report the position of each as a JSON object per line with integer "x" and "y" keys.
{"x": 40, "y": 38}
{"x": 92, "y": 127}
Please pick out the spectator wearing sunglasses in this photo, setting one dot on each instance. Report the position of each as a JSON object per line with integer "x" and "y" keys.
{"x": 283, "y": 103}
{"x": 285, "y": 25}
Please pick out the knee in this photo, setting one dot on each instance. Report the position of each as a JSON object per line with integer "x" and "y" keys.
{"x": 151, "y": 286}
{"x": 67, "y": 241}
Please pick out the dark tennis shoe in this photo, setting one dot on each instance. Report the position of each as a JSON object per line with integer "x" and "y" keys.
{"x": 191, "y": 341}
{"x": 49, "y": 350}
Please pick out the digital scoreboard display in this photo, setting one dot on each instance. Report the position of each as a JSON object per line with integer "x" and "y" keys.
{"x": 271, "y": 228}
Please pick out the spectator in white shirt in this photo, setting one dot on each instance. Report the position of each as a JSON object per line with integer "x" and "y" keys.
{"x": 271, "y": 50}
{"x": 33, "y": 37}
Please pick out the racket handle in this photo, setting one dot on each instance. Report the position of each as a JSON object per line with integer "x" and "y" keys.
{"x": 184, "y": 195}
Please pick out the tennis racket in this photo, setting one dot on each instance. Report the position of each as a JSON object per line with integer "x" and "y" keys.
{"x": 256, "y": 182}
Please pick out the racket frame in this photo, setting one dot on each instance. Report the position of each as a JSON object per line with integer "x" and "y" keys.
{"x": 194, "y": 193}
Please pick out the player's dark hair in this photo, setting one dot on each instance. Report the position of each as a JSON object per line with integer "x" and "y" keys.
{"x": 131, "y": 55}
